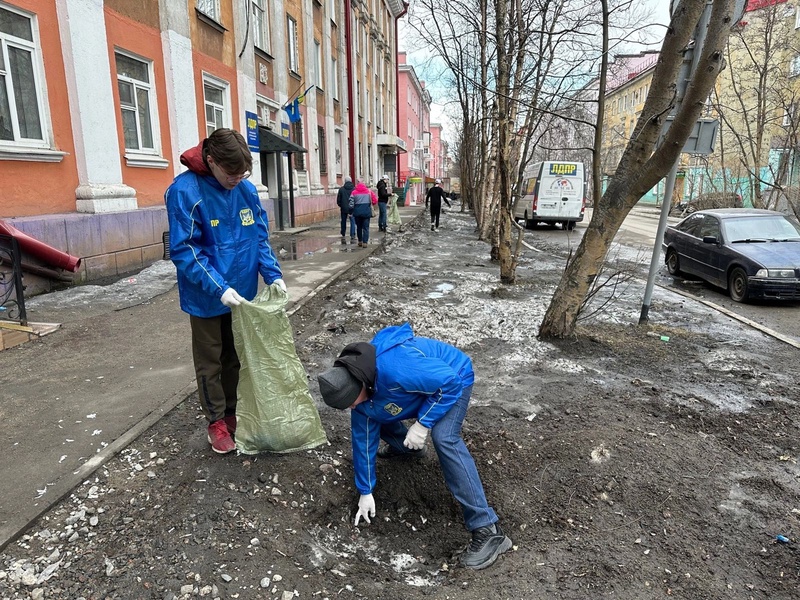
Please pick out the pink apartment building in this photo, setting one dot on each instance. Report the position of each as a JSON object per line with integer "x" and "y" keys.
{"x": 414, "y": 114}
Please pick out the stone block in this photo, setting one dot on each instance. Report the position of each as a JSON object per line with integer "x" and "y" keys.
{"x": 129, "y": 260}
{"x": 114, "y": 232}
{"x": 84, "y": 235}
{"x": 97, "y": 267}
{"x": 152, "y": 253}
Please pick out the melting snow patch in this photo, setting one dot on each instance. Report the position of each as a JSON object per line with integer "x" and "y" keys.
{"x": 401, "y": 562}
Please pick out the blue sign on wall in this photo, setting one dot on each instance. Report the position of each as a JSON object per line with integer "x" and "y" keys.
{"x": 252, "y": 131}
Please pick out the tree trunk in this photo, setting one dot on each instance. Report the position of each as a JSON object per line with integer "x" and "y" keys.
{"x": 640, "y": 168}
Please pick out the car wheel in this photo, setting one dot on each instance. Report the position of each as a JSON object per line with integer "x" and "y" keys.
{"x": 528, "y": 223}
{"x": 673, "y": 264}
{"x": 570, "y": 225}
{"x": 737, "y": 285}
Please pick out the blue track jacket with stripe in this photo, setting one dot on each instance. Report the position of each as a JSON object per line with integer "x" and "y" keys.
{"x": 218, "y": 238}
{"x": 416, "y": 378}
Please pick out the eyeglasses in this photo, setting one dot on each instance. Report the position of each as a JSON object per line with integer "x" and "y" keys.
{"x": 235, "y": 178}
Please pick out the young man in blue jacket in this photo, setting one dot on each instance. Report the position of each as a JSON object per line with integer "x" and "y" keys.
{"x": 399, "y": 376}
{"x": 219, "y": 242}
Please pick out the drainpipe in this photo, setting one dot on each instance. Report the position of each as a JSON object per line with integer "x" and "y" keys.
{"x": 350, "y": 77}
{"x": 52, "y": 256}
{"x": 397, "y": 84}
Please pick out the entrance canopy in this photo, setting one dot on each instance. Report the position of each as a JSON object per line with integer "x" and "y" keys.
{"x": 272, "y": 142}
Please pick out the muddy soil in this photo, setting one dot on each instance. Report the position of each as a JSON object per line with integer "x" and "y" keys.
{"x": 629, "y": 462}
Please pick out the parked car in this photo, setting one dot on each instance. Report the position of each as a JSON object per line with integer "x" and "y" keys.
{"x": 708, "y": 201}
{"x": 753, "y": 253}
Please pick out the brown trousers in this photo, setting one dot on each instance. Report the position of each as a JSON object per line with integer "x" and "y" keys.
{"x": 216, "y": 365}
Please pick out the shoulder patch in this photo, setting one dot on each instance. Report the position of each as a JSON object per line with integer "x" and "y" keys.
{"x": 393, "y": 409}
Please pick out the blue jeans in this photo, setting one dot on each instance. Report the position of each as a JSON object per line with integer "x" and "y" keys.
{"x": 352, "y": 225}
{"x": 362, "y": 229}
{"x": 458, "y": 466}
{"x": 381, "y": 215}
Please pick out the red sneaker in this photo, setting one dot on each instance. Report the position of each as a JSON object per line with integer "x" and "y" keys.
{"x": 219, "y": 438}
{"x": 230, "y": 423}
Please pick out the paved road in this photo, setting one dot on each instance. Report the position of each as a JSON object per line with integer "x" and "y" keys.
{"x": 639, "y": 232}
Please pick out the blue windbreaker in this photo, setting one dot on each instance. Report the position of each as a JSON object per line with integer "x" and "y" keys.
{"x": 218, "y": 239}
{"x": 416, "y": 378}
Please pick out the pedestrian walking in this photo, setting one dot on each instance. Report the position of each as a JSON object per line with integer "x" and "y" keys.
{"x": 383, "y": 198}
{"x": 219, "y": 242}
{"x": 435, "y": 196}
{"x": 342, "y": 200}
{"x": 399, "y": 376}
{"x": 361, "y": 201}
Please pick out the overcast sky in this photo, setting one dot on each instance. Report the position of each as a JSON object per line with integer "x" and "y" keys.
{"x": 418, "y": 56}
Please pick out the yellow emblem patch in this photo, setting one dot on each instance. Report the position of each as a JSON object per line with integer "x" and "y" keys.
{"x": 393, "y": 409}
{"x": 246, "y": 215}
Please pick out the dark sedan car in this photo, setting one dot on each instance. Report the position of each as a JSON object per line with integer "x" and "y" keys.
{"x": 752, "y": 253}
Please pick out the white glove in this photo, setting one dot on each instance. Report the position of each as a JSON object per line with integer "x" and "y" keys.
{"x": 416, "y": 436}
{"x": 231, "y": 297}
{"x": 366, "y": 508}
{"x": 281, "y": 284}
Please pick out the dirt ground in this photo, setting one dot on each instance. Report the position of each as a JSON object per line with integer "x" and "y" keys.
{"x": 630, "y": 462}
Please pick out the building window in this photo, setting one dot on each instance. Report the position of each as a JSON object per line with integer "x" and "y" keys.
{"x": 209, "y": 8}
{"x": 214, "y": 93}
{"x": 261, "y": 25}
{"x": 136, "y": 97}
{"x": 297, "y": 138}
{"x": 291, "y": 34}
{"x": 318, "y": 64}
{"x": 794, "y": 66}
{"x": 334, "y": 80}
{"x": 323, "y": 151}
{"x": 338, "y": 150}
{"x": 20, "y": 85}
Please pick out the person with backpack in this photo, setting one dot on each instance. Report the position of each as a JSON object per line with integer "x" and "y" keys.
{"x": 343, "y": 201}
{"x": 435, "y": 196}
{"x": 360, "y": 205}
{"x": 383, "y": 198}
{"x": 400, "y": 376}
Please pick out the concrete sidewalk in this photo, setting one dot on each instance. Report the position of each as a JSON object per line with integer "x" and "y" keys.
{"x": 71, "y": 400}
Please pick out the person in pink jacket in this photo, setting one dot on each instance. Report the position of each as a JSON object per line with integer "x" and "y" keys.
{"x": 360, "y": 207}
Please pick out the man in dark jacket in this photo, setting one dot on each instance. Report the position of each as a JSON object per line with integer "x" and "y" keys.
{"x": 342, "y": 201}
{"x": 383, "y": 198}
{"x": 219, "y": 242}
{"x": 435, "y": 196}
{"x": 399, "y": 376}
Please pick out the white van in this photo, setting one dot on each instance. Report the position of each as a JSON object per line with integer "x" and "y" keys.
{"x": 554, "y": 192}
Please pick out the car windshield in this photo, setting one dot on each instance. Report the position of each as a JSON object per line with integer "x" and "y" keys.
{"x": 761, "y": 229}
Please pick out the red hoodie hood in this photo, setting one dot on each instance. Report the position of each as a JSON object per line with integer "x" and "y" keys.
{"x": 361, "y": 188}
{"x": 193, "y": 158}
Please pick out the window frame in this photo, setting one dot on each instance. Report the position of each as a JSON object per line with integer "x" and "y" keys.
{"x": 334, "y": 79}
{"x": 794, "y": 66}
{"x": 215, "y": 13}
{"x": 33, "y": 48}
{"x": 224, "y": 87}
{"x": 318, "y": 72}
{"x": 261, "y": 16}
{"x": 151, "y": 100}
{"x": 293, "y": 45}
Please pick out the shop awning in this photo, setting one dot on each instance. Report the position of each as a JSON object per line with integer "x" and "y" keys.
{"x": 272, "y": 142}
